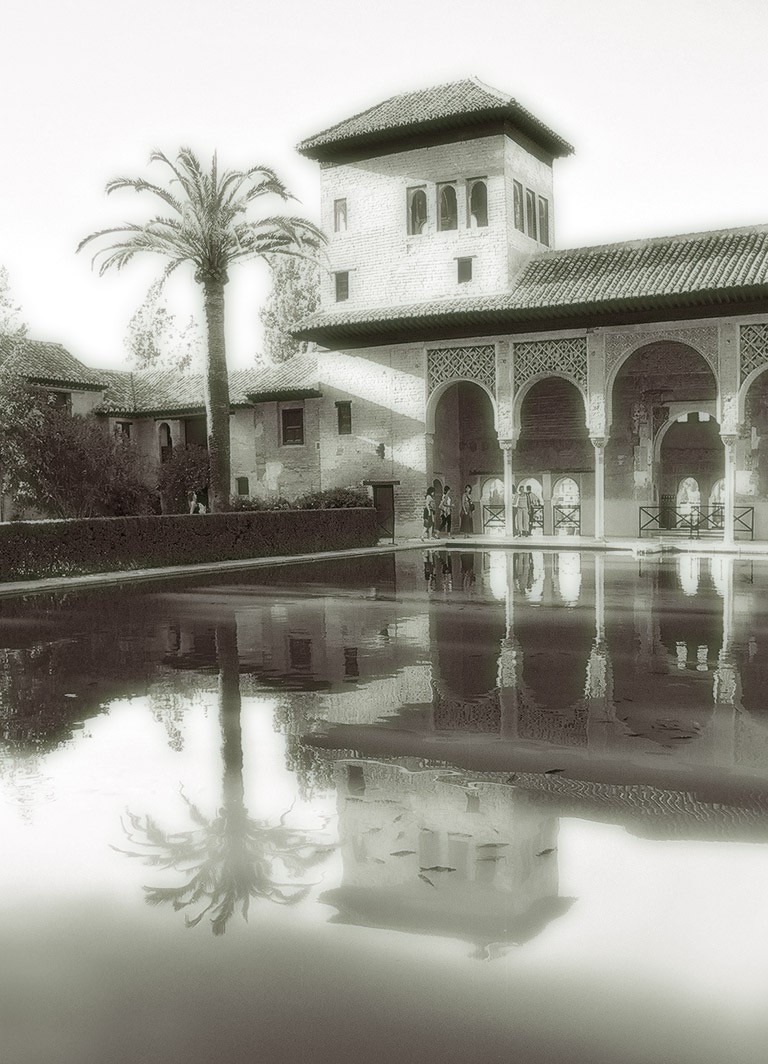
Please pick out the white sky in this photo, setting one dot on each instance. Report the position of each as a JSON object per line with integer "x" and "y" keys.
{"x": 662, "y": 99}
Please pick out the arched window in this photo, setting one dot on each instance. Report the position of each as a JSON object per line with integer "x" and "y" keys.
{"x": 166, "y": 443}
{"x": 417, "y": 211}
{"x": 478, "y": 205}
{"x": 447, "y": 208}
{"x": 565, "y": 492}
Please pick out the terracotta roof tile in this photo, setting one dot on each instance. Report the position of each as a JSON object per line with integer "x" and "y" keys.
{"x": 168, "y": 391}
{"x": 440, "y": 107}
{"x": 694, "y": 269}
{"x": 47, "y": 363}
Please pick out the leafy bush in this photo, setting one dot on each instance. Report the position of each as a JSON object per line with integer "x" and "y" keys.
{"x": 65, "y": 465}
{"x": 186, "y": 469}
{"x": 333, "y": 499}
{"x": 249, "y": 503}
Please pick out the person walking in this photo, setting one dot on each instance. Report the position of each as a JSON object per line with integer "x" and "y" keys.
{"x": 428, "y": 515}
{"x": 466, "y": 522}
{"x": 446, "y": 505}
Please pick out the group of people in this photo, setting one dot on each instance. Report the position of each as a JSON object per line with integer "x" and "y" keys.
{"x": 523, "y": 502}
{"x": 443, "y": 509}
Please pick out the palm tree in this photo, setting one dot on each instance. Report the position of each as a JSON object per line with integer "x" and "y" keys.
{"x": 226, "y": 860}
{"x": 207, "y": 226}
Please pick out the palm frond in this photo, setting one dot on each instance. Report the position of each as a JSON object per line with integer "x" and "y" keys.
{"x": 138, "y": 184}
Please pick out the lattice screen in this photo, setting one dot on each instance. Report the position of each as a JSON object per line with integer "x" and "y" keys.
{"x": 754, "y": 349}
{"x": 551, "y": 356}
{"x": 476, "y": 363}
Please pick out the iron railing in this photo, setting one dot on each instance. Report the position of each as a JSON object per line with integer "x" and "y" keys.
{"x": 567, "y": 519}
{"x": 493, "y": 517}
{"x": 694, "y": 521}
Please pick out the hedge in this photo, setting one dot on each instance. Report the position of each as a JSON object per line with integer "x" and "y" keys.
{"x": 39, "y": 549}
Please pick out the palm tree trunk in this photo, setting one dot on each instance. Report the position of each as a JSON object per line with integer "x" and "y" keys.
{"x": 217, "y": 397}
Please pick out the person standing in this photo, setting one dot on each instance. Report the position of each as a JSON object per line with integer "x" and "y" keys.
{"x": 428, "y": 514}
{"x": 446, "y": 505}
{"x": 466, "y": 522}
{"x": 521, "y": 511}
{"x": 531, "y": 503}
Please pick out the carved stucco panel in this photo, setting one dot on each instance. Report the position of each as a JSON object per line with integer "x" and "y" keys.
{"x": 703, "y": 340}
{"x": 475, "y": 363}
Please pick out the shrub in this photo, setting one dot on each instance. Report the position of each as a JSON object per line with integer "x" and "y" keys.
{"x": 186, "y": 469}
{"x": 333, "y": 499}
{"x": 35, "y": 549}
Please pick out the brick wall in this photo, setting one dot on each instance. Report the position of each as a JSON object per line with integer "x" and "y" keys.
{"x": 385, "y": 264}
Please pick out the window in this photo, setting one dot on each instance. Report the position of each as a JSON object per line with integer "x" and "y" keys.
{"x": 478, "y": 204}
{"x": 351, "y": 667}
{"x": 166, "y": 443}
{"x": 300, "y": 653}
{"x": 293, "y": 426}
{"x": 123, "y": 430}
{"x": 447, "y": 208}
{"x": 517, "y": 191}
{"x": 243, "y": 488}
{"x": 464, "y": 270}
{"x": 61, "y": 400}
{"x": 417, "y": 211}
{"x": 543, "y": 221}
{"x": 530, "y": 213}
{"x": 340, "y": 216}
{"x": 344, "y": 416}
{"x": 342, "y": 286}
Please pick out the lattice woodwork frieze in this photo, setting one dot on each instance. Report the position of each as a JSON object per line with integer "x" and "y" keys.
{"x": 535, "y": 357}
{"x": 475, "y": 363}
{"x": 753, "y": 348}
{"x": 703, "y": 340}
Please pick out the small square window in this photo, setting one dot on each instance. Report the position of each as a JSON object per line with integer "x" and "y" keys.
{"x": 530, "y": 213}
{"x": 517, "y": 190}
{"x": 340, "y": 216}
{"x": 344, "y": 416}
{"x": 342, "y": 286}
{"x": 464, "y": 270}
{"x": 242, "y": 486}
{"x": 293, "y": 427}
{"x": 543, "y": 221}
{"x": 123, "y": 430}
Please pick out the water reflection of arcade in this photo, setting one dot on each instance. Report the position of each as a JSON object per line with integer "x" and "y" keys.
{"x": 433, "y": 855}
{"x": 659, "y": 675}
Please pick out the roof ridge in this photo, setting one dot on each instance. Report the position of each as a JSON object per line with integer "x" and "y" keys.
{"x": 635, "y": 243}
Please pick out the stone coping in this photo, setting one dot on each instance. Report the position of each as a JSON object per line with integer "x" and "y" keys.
{"x": 635, "y": 547}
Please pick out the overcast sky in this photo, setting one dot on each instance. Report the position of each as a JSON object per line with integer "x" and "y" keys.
{"x": 662, "y": 99}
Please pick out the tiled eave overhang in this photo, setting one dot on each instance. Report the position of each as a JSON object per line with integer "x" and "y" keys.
{"x": 284, "y": 395}
{"x": 73, "y": 385}
{"x": 170, "y": 413}
{"x": 429, "y": 322}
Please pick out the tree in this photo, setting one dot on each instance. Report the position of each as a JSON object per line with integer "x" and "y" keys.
{"x": 155, "y": 340}
{"x": 65, "y": 465}
{"x": 11, "y": 321}
{"x": 229, "y": 859}
{"x": 207, "y": 227}
{"x": 295, "y": 294}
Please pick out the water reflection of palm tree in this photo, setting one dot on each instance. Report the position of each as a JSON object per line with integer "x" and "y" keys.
{"x": 229, "y": 859}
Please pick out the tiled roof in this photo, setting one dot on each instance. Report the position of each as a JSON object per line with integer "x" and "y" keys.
{"x": 450, "y": 106}
{"x": 47, "y": 364}
{"x": 695, "y": 270}
{"x": 167, "y": 392}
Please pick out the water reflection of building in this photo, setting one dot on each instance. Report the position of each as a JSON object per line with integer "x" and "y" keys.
{"x": 432, "y": 855}
{"x": 596, "y": 659}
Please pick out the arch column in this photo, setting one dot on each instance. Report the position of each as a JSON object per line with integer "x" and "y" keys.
{"x": 507, "y": 446}
{"x": 729, "y": 495}
{"x": 598, "y": 442}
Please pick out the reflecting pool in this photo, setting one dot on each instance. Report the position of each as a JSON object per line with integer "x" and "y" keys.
{"x": 438, "y": 805}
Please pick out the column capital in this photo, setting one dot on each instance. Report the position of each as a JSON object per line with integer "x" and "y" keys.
{"x": 730, "y": 439}
{"x": 598, "y": 442}
{"x": 507, "y": 445}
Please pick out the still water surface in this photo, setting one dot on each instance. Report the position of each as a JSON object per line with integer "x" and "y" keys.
{"x": 430, "y": 807}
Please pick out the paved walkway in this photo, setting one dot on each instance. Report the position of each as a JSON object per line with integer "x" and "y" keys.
{"x": 635, "y": 547}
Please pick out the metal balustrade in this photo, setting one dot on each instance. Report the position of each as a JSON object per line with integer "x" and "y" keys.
{"x": 695, "y": 521}
{"x": 567, "y": 519}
